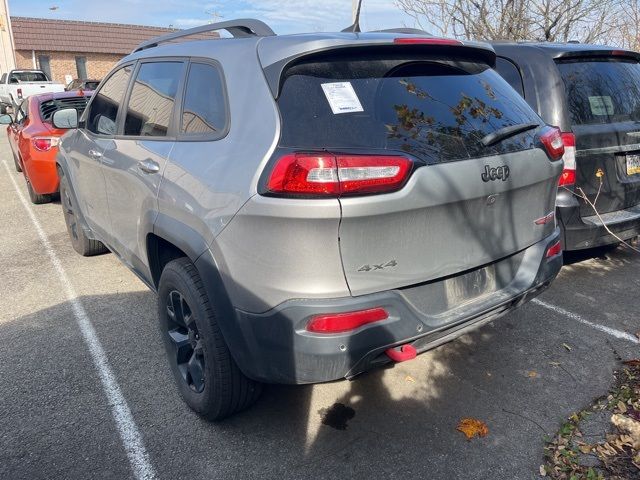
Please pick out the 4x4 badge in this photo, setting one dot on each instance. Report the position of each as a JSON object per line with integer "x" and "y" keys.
{"x": 494, "y": 173}
{"x": 378, "y": 266}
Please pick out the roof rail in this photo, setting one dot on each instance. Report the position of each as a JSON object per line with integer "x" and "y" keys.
{"x": 244, "y": 27}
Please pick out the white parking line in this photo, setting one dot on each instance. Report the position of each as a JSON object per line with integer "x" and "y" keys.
{"x": 610, "y": 331}
{"x": 131, "y": 438}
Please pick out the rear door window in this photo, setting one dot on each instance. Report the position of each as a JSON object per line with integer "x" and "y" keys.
{"x": 152, "y": 99}
{"x": 103, "y": 112}
{"x": 436, "y": 109}
{"x": 601, "y": 90}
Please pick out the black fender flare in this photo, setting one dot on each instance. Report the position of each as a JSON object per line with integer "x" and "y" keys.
{"x": 201, "y": 254}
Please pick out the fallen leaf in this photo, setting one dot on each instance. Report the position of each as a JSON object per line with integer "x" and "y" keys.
{"x": 543, "y": 471}
{"x": 532, "y": 374}
{"x": 622, "y": 407}
{"x": 566, "y": 346}
{"x": 472, "y": 427}
{"x": 409, "y": 378}
{"x": 584, "y": 448}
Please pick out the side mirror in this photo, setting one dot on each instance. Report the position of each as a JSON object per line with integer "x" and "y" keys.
{"x": 65, "y": 118}
{"x": 6, "y": 119}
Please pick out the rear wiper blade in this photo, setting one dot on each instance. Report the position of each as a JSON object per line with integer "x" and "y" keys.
{"x": 506, "y": 132}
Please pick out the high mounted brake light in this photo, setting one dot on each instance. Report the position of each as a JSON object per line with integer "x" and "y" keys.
{"x": 427, "y": 41}
{"x": 568, "y": 176}
{"x": 328, "y": 175}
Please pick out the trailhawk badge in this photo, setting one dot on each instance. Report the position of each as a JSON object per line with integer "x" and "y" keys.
{"x": 495, "y": 173}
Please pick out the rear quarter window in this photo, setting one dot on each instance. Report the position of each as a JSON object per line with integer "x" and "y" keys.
{"x": 510, "y": 73}
{"x": 204, "y": 109}
{"x": 601, "y": 90}
{"x": 436, "y": 109}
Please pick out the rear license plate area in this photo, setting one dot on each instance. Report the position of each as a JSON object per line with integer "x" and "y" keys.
{"x": 463, "y": 289}
{"x": 633, "y": 164}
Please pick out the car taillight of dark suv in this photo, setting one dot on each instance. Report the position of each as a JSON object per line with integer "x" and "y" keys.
{"x": 330, "y": 203}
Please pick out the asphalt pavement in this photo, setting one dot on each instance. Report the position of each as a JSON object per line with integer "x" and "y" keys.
{"x": 60, "y": 418}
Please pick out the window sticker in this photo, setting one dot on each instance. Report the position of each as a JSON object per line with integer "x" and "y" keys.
{"x": 601, "y": 106}
{"x": 342, "y": 97}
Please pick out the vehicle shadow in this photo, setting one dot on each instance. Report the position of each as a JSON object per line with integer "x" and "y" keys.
{"x": 391, "y": 422}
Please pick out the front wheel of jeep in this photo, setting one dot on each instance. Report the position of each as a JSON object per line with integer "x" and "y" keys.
{"x": 205, "y": 373}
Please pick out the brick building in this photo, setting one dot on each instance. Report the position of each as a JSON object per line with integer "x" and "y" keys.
{"x": 67, "y": 49}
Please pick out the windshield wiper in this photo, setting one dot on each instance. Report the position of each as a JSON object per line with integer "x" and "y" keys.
{"x": 506, "y": 132}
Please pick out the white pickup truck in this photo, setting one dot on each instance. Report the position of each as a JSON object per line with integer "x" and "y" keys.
{"x": 19, "y": 84}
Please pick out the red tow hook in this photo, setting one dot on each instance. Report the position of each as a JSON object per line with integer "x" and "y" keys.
{"x": 406, "y": 352}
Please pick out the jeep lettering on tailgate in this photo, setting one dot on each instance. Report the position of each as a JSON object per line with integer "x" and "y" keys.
{"x": 494, "y": 173}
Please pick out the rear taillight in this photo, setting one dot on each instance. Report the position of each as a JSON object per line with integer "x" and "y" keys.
{"x": 19, "y": 92}
{"x": 568, "y": 176}
{"x": 426, "y": 41}
{"x": 553, "y": 250}
{"x": 44, "y": 144}
{"x": 327, "y": 175}
{"x": 344, "y": 322}
{"x": 551, "y": 138}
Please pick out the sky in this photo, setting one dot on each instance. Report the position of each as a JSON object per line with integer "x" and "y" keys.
{"x": 284, "y": 16}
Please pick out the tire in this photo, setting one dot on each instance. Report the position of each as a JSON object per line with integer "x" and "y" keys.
{"x": 16, "y": 163}
{"x": 205, "y": 373}
{"x": 85, "y": 246}
{"x": 36, "y": 198}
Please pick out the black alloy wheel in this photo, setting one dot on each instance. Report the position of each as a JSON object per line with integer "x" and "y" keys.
{"x": 183, "y": 335}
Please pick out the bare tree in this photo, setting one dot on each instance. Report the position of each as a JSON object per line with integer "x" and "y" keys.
{"x": 550, "y": 20}
{"x": 628, "y": 31}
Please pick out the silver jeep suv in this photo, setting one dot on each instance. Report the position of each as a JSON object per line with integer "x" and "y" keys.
{"x": 308, "y": 207}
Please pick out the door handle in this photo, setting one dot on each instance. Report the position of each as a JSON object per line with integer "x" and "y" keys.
{"x": 96, "y": 155}
{"x": 149, "y": 166}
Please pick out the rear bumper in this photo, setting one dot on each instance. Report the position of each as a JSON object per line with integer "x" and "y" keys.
{"x": 588, "y": 232}
{"x": 40, "y": 169}
{"x": 277, "y": 348}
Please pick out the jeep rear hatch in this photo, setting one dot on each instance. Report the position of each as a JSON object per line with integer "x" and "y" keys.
{"x": 603, "y": 99}
{"x": 477, "y": 176}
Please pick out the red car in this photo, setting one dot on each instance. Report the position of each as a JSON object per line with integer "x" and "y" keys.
{"x": 34, "y": 140}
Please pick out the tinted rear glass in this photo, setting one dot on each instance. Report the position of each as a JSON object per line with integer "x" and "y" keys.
{"x": 49, "y": 107}
{"x": 17, "y": 77}
{"x": 602, "y": 90}
{"x": 438, "y": 110}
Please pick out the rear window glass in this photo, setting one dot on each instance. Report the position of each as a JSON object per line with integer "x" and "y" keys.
{"x": 17, "y": 77}
{"x": 49, "y": 107}
{"x": 602, "y": 90}
{"x": 438, "y": 110}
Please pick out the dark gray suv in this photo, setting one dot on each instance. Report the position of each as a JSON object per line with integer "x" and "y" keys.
{"x": 592, "y": 92}
{"x": 310, "y": 206}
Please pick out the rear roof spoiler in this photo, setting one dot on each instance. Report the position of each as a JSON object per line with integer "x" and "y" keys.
{"x": 597, "y": 53}
{"x": 273, "y": 72}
